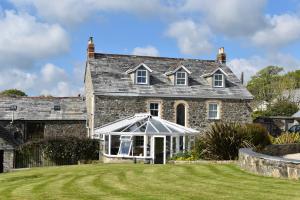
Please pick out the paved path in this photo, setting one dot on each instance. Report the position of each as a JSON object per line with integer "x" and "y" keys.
{"x": 295, "y": 156}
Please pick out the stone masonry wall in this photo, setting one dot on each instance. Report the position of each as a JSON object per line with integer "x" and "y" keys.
{"x": 109, "y": 109}
{"x": 8, "y": 160}
{"x": 65, "y": 128}
{"x": 8, "y": 156}
{"x": 274, "y": 166}
{"x": 52, "y": 128}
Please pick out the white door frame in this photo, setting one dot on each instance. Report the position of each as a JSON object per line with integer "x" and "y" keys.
{"x": 153, "y": 147}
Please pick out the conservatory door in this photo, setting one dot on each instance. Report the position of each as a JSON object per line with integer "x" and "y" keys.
{"x": 159, "y": 150}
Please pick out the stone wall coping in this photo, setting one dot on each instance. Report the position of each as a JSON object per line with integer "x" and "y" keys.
{"x": 201, "y": 161}
{"x": 250, "y": 152}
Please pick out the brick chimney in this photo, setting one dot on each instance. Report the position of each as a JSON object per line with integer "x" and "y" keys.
{"x": 91, "y": 49}
{"x": 221, "y": 57}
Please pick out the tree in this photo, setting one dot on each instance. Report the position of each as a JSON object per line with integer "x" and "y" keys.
{"x": 13, "y": 92}
{"x": 282, "y": 107}
{"x": 261, "y": 85}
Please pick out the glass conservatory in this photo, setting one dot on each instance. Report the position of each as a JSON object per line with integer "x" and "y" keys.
{"x": 144, "y": 137}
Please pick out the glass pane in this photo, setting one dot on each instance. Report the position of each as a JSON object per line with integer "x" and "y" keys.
{"x": 124, "y": 147}
{"x": 106, "y": 144}
{"x": 180, "y": 143}
{"x": 138, "y": 145}
{"x": 115, "y": 144}
{"x": 174, "y": 145}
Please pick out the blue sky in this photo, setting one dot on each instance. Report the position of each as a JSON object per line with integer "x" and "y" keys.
{"x": 43, "y": 43}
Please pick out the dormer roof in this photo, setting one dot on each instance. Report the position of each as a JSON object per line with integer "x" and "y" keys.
{"x": 170, "y": 72}
{"x": 129, "y": 71}
{"x": 214, "y": 71}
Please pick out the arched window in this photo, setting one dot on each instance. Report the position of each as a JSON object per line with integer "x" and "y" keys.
{"x": 180, "y": 114}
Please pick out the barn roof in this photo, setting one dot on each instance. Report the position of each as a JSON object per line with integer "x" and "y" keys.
{"x": 109, "y": 77}
{"x": 42, "y": 108}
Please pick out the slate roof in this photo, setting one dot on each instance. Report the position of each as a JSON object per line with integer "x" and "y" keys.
{"x": 108, "y": 72}
{"x": 42, "y": 108}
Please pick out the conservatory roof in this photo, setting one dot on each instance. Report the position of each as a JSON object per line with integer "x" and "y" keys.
{"x": 146, "y": 124}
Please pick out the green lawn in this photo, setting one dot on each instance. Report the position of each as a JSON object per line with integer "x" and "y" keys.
{"x": 115, "y": 181}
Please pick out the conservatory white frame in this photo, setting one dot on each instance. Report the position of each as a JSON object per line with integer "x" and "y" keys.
{"x": 172, "y": 130}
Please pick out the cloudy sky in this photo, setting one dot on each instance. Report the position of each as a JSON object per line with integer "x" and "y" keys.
{"x": 43, "y": 43}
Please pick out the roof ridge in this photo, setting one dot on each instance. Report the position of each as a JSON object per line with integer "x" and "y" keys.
{"x": 98, "y": 55}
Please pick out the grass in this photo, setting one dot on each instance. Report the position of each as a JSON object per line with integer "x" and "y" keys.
{"x": 116, "y": 181}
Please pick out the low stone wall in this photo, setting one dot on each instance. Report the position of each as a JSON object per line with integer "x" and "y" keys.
{"x": 106, "y": 159}
{"x": 267, "y": 165}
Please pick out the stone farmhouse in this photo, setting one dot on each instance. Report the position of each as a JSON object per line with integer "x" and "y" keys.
{"x": 189, "y": 92}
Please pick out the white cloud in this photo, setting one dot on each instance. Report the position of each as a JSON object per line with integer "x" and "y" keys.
{"x": 230, "y": 17}
{"x": 191, "y": 38}
{"x": 50, "y": 80}
{"x": 15, "y": 78}
{"x": 145, "y": 51}
{"x": 51, "y": 72}
{"x": 281, "y": 30}
{"x": 253, "y": 64}
{"x": 24, "y": 40}
{"x": 76, "y": 11}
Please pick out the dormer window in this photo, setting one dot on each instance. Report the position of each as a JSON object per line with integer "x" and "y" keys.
{"x": 179, "y": 75}
{"x": 218, "y": 80}
{"x": 141, "y": 76}
{"x": 181, "y": 78}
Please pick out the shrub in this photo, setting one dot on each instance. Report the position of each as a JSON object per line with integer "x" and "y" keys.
{"x": 287, "y": 138}
{"x": 222, "y": 141}
{"x": 256, "y": 135}
{"x": 185, "y": 155}
{"x": 62, "y": 150}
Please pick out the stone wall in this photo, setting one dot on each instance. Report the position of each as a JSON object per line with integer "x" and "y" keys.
{"x": 266, "y": 165}
{"x": 8, "y": 160}
{"x": 8, "y": 156}
{"x": 109, "y": 109}
{"x": 52, "y": 128}
{"x": 65, "y": 128}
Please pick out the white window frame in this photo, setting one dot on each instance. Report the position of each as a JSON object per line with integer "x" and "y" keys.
{"x": 217, "y": 110}
{"x": 125, "y": 138}
{"x": 137, "y": 76}
{"x": 158, "y": 109}
{"x": 185, "y": 78}
{"x": 222, "y": 80}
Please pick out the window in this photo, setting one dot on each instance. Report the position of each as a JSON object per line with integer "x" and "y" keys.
{"x": 218, "y": 80}
{"x": 154, "y": 109}
{"x": 56, "y": 107}
{"x": 141, "y": 76}
{"x": 213, "y": 111}
{"x": 180, "y": 78}
{"x": 125, "y": 145}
